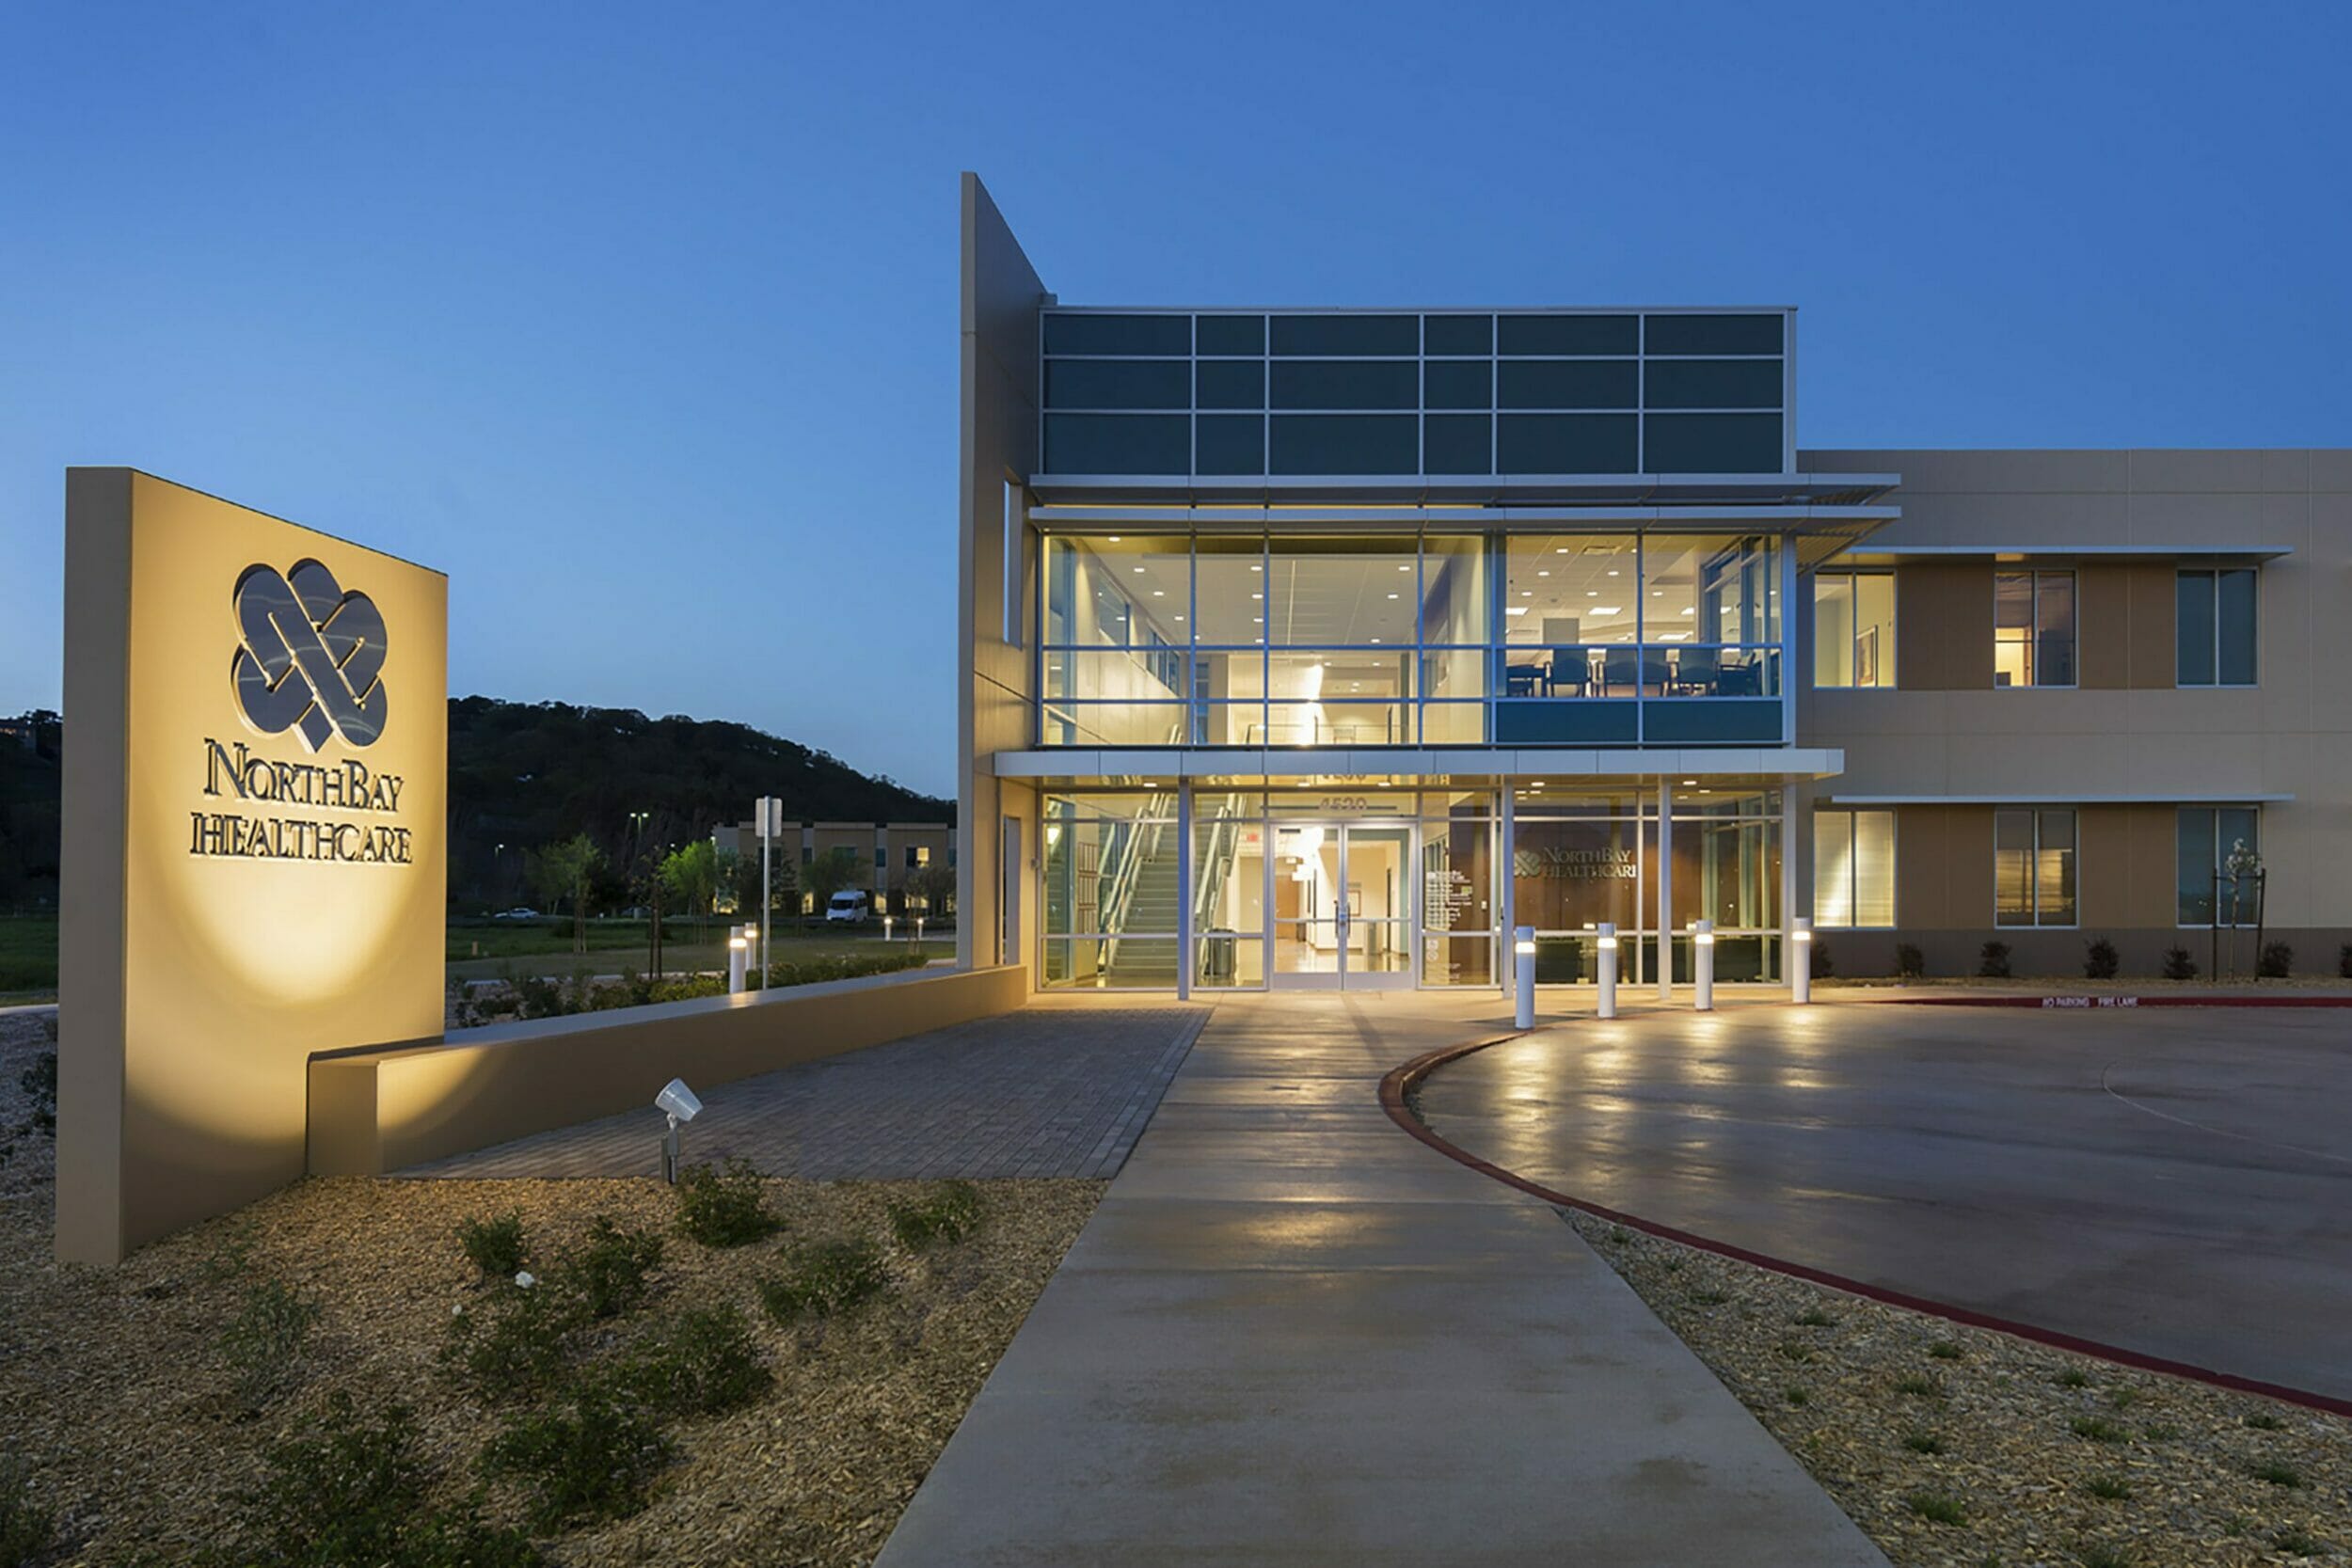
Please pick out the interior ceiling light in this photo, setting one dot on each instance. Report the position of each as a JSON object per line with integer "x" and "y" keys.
{"x": 1686, "y": 610}
{"x": 1403, "y": 568}
{"x": 1257, "y": 568}
{"x": 1515, "y": 609}
{"x": 1607, "y": 608}
{"x": 1392, "y": 595}
{"x": 1544, "y": 572}
{"x": 1591, "y": 593}
{"x": 1159, "y": 592}
{"x": 1114, "y": 538}
{"x": 1137, "y": 570}
{"x": 1613, "y": 571}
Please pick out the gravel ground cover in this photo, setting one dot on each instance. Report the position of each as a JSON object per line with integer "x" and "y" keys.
{"x": 1960, "y": 1447}
{"x": 116, "y": 1389}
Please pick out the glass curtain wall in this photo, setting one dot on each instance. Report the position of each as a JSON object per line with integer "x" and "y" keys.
{"x": 1605, "y": 635}
{"x": 1459, "y": 906}
{"x": 1250, "y": 640}
{"x": 1111, "y": 877}
{"x": 1340, "y": 639}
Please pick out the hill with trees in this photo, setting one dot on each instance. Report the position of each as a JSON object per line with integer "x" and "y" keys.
{"x": 523, "y": 776}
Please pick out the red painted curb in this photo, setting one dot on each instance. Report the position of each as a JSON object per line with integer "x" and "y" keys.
{"x": 1394, "y": 1087}
{"x": 2095, "y": 1001}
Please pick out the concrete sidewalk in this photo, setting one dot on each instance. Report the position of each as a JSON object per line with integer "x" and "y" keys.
{"x": 1291, "y": 1334}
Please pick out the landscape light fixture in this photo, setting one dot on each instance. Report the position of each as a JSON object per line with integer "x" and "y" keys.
{"x": 678, "y": 1103}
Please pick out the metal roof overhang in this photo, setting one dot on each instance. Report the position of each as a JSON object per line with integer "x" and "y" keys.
{"x": 1893, "y": 554}
{"x": 1428, "y": 767}
{"x": 1466, "y": 490}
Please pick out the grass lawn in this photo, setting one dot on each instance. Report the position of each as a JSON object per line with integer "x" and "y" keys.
{"x": 774, "y": 1401}
{"x": 29, "y": 959}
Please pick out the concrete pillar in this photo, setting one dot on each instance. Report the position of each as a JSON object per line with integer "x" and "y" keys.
{"x": 1665, "y": 925}
{"x": 1184, "y": 891}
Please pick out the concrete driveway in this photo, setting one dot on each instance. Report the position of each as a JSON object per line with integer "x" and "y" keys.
{"x": 2177, "y": 1182}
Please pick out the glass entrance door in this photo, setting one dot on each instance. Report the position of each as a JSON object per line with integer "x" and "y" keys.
{"x": 1343, "y": 913}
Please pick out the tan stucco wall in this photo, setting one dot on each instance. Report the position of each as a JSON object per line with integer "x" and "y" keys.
{"x": 194, "y": 987}
{"x": 382, "y": 1111}
{"x": 2126, "y": 730}
{"x": 1001, "y": 298}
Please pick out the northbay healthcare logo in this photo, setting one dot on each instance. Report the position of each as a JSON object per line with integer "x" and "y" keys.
{"x": 310, "y": 662}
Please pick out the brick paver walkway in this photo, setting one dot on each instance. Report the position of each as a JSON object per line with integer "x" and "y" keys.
{"x": 1046, "y": 1091}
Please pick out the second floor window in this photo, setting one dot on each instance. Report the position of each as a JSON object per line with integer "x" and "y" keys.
{"x": 2033, "y": 628}
{"x": 1853, "y": 629}
{"x": 2215, "y": 627}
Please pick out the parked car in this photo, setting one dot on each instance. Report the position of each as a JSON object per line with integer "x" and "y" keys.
{"x": 849, "y": 908}
{"x": 518, "y": 913}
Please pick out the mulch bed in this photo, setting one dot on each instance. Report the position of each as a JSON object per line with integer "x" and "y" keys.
{"x": 2044, "y": 1458}
{"x": 113, "y": 1385}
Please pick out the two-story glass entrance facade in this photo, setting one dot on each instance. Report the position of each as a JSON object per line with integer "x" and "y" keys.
{"x": 1364, "y": 887}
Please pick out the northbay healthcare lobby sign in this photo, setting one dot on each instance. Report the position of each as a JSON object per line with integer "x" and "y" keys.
{"x": 253, "y": 844}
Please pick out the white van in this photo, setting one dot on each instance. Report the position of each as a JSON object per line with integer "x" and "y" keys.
{"x": 851, "y": 907}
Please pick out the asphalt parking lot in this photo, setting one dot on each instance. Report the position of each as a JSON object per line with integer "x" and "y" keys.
{"x": 2177, "y": 1183}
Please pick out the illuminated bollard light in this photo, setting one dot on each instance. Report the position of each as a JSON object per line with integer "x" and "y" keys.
{"x": 1800, "y": 960}
{"x": 886, "y": 928}
{"x": 1703, "y": 966}
{"x": 1608, "y": 943}
{"x": 738, "y": 954}
{"x": 1523, "y": 949}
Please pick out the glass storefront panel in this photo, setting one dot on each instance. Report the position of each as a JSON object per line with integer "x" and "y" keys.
{"x": 1569, "y": 873}
{"x": 1111, "y": 963}
{"x": 1458, "y": 958}
{"x": 1563, "y": 595}
{"x": 1229, "y": 580}
{"x": 1229, "y": 892}
{"x": 1122, "y": 590}
{"x": 1114, "y": 724}
{"x": 1726, "y": 865}
{"x": 1711, "y": 589}
{"x": 1455, "y": 600}
{"x": 1137, "y": 675}
{"x": 1341, "y": 591}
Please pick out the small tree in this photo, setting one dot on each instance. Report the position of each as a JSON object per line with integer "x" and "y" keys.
{"x": 692, "y": 876}
{"x": 934, "y": 887}
{"x": 829, "y": 873}
{"x": 564, "y": 870}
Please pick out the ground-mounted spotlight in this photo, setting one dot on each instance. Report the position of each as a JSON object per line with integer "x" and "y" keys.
{"x": 678, "y": 1101}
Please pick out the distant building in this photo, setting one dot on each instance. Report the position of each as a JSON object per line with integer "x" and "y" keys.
{"x": 889, "y": 855}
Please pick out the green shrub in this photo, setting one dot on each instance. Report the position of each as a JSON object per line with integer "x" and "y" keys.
{"x": 2263, "y": 1420}
{"x": 2286, "y": 1476}
{"x": 1923, "y": 1441}
{"x": 808, "y": 972}
{"x": 1813, "y": 1317}
{"x": 1936, "y": 1507}
{"x": 2296, "y": 1543}
{"x": 704, "y": 1363}
{"x": 2100, "y": 959}
{"x": 1919, "y": 1387}
{"x": 2178, "y": 965}
{"x": 1910, "y": 963}
{"x": 823, "y": 1279}
{"x": 2115, "y": 1489}
{"x": 1821, "y": 966}
{"x": 1798, "y": 1394}
{"x": 2162, "y": 1432}
{"x": 725, "y": 1208}
{"x": 2276, "y": 963}
{"x": 2344, "y": 960}
{"x": 26, "y": 1529}
{"x": 1792, "y": 1351}
{"x": 346, "y": 1490}
{"x": 949, "y": 1216}
{"x": 518, "y": 1346}
{"x": 264, "y": 1343}
{"x": 2097, "y": 1428}
{"x": 494, "y": 1246}
{"x": 1946, "y": 1349}
{"x": 1993, "y": 961}
{"x": 2092, "y": 1556}
{"x": 590, "y": 1458}
{"x": 2072, "y": 1377}
{"x": 1708, "y": 1298}
{"x": 606, "y": 1277}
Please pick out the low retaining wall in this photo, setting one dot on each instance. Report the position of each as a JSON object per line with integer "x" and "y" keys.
{"x": 382, "y": 1110}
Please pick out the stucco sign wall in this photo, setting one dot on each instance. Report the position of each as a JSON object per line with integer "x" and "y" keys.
{"x": 255, "y": 768}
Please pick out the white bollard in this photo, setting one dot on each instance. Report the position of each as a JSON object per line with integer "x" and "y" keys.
{"x": 738, "y": 952}
{"x": 1800, "y": 960}
{"x": 1523, "y": 949}
{"x": 1703, "y": 966}
{"x": 1608, "y": 942}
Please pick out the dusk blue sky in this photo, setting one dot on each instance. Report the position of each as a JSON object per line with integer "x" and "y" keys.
{"x": 641, "y": 321}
